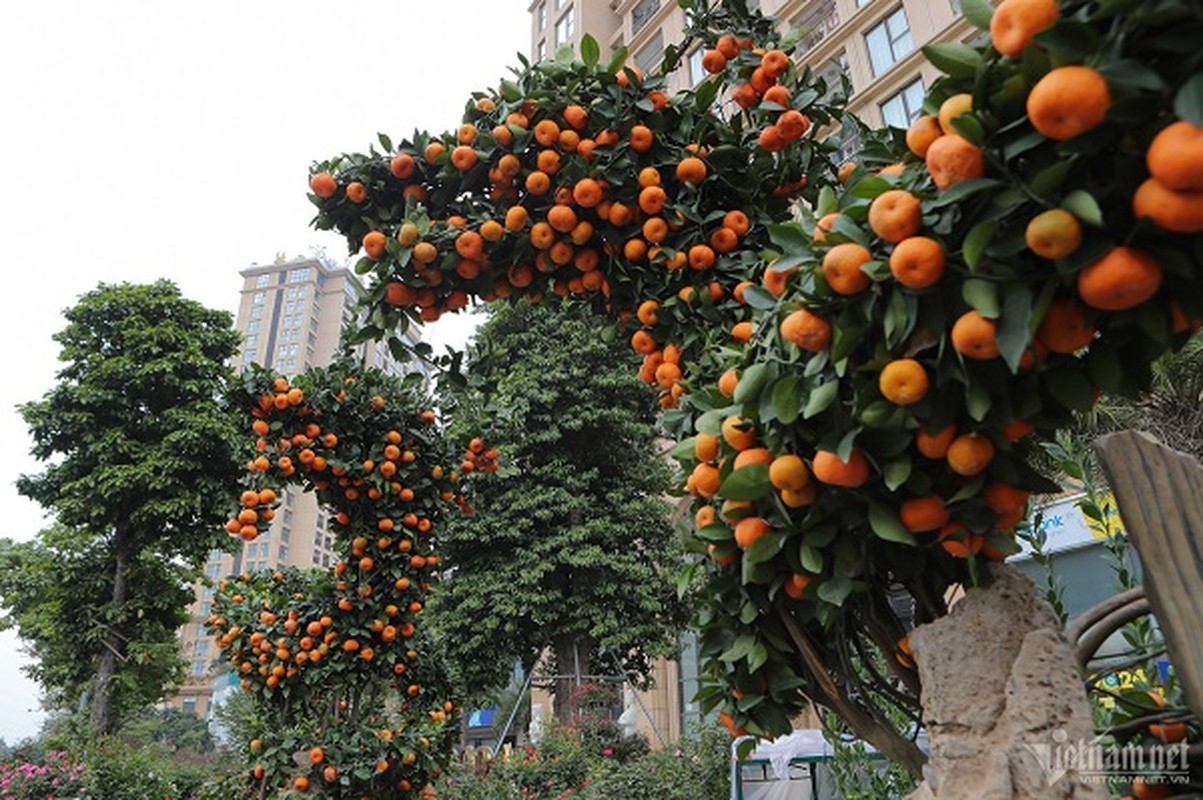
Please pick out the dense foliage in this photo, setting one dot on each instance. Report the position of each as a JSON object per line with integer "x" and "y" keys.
{"x": 140, "y": 450}
{"x": 571, "y": 544}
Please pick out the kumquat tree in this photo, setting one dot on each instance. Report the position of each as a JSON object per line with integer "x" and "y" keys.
{"x": 856, "y": 363}
{"x": 337, "y": 661}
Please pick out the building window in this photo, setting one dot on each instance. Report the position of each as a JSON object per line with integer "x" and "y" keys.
{"x": 648, "y": 58}
{"x": 256, "y": 312}
{"x": 317, "y": 557}
{"x": 257, "y": 298}
{"x": 697, "y": 73}
{"x": 249, "y": 355}
{"x": 643, "y": 11}
{"x": 850, "y": 146}
{"x": 205, "y": 609}
{"x": 542, "y": 16}
{"x": 904, "y": 107}
{"x": 284, "y": 532}
{"x": 252, "y": 340}
{"x": 816, "y": 24}
{"x": 888, "y": 41}
{"x": 283, "y": 552}
{"x": 188, "y": 706}
{"x": 298, "y": 275}
{"x": 252, "y": 326}
{"x": 202, "y": 647}
{"x": 262, "y": 281}
{"x": 833, "y": 73}
{"x": 565, "y": 27}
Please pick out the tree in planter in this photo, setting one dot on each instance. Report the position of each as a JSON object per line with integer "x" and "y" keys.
{"x": 571, "y": 549}
{"x": 958, "y": 297}
{"x": 142, "y": 453}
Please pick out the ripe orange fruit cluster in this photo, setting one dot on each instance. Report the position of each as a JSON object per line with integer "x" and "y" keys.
{"x": 276, "y": 630}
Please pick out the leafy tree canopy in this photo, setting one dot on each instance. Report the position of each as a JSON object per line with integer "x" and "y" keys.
{"x": 141, "y": 461}
{"x": 571, "y": 540}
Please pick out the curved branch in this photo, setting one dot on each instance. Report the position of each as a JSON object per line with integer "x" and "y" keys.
{"x": 893, "y": 745}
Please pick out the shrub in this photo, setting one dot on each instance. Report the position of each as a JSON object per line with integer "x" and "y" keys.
{"x": 53, "y": 775}
{"x": 564, "y": 766}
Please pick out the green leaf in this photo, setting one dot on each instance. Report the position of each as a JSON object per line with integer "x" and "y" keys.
{"x": 747, "y": 483}
{"x": 787, "y": 399}
{"x": 759, "y": 298}
{"x": 617, "y": 60}
{"x": 811, "y": 558}
{"x": 964, "y": 189}
{"x": 1188, "y": 102}
{"x": 828, "y": 202}
{"x": 684, "y": 449}
{"x": 976, "y": 241}
{"x": 704, "y": 95}
{"x": 897, "y": 472}
{"x": 740, "y": 649}
{"x": 590, "y": 51}
{"x": 977, "y": 401}
{"x": 978, "y": 12}
{"x": 748, "y": 613}
{"x": 1014, "y": 333}
{"x": 717, "y": 532}
{"x": 757, "y": 658}
{"x": 835, "y": 590}
{"x": 821, "y": 398}
{"x": 953, "y": 58}
{"x": 1082, "y": 205}
{"x": 887, "y": 525}
{"x": 789, "y": 236}
{"x": 712, "y": 421}
{"x": 1071, "y": 39}
{"x": 1049, "y": 179}
{"x": 981, "y": 295}
{"x": 510, "y": 91}
{"x": 750, "y": 383}
{"x": 869, "y": 187}
{"x": 764, "y": 548}
{"x": 844, "y": 449}
{"x": 970, "y": 129}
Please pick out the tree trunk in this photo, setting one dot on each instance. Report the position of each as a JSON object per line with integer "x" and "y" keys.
{"x": 1003, "y": 701}
{"x": 572, "y": 664}
{"x": 103, "y": 721}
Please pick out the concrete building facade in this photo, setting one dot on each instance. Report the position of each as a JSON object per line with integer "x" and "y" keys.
{"x": 290, "y": 316}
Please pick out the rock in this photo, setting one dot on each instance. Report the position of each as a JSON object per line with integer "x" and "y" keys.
{"x": 1001, "y": 692}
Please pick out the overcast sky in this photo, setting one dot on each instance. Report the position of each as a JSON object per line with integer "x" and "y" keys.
{"x": 147, "y": 139}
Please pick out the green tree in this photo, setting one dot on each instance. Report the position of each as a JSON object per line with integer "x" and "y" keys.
{"x": 571, "y": 545}
{"x": 141, "y": 463}
{"x": 57, "y": 589}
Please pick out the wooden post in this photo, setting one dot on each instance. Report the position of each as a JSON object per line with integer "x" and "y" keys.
{"x": 1160, "y": 496}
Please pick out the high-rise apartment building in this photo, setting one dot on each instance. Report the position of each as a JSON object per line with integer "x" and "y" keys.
{"x": 290, "y": 316}
{"x": 875, "y": 44}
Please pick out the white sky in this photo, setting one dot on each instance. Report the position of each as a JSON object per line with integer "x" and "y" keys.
{"x": 146, "y": 139}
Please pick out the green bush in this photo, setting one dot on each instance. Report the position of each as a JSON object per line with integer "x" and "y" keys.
{"x": 567, "y": 765}
{"x": 115, "y": 770}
